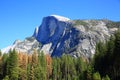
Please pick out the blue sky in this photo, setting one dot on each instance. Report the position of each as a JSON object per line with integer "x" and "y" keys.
{"x": 18, "y": 18}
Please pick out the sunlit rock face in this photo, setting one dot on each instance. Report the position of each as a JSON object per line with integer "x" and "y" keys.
{"x": 52, "y": 32}
{"x": 26, "y": 46}
{"x": 60, "y": 35}
{"x": 57, "y": 35}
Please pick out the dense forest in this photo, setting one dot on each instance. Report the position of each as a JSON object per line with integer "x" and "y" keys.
{"x": 105, "y": 65}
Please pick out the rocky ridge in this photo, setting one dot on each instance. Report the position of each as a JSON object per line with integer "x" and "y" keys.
{"x": 57, "y": 35}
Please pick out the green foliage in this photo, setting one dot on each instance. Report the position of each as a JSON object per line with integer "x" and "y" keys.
{"x": 31, "y": 76}
{"x": 107, "y": 60}
{"x": 12, "y": 65}
{"x": 94, "y": 22}
{"x": 6, "y": 77}
{"x": 116, "y": 56}
{"x": 88, "y": 73}
{"x": 3, "y": 70}
{"x": 42, "y": 65}
{"x": 105, "y": 64}
{"x": 106, "y": 78}
{"x": 55, "y": 70}
{"x": 28, "y": 71}
{"x": 96, "y": 76}
{"x": 80, "y": 22}
{"x": 68, "y": 67}
{"x": 63, "y": 68}
{"x": 0, "y": 53}
{"x": 99, "y": 56}
{"x": 117, "y": 43}
{"x": 80, "y": 67}
{"x": 111, "y": 24}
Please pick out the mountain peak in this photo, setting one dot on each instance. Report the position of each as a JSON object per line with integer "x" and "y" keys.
{"x": 60, "y": 18}
{"x": 36, "y": 32}
{"x": 57, "y": 35}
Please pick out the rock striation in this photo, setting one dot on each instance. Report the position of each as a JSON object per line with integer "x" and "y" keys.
{"x": 58, "y": 35}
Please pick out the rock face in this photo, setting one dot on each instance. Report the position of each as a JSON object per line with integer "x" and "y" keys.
{"x": 60, "y": 35}
{"x": 26, "y": 46}
{"x": 57, "y": 35}
{"x": 53, "y": 33}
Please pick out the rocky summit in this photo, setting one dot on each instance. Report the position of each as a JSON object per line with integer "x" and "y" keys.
{"x": 59, "y": 35}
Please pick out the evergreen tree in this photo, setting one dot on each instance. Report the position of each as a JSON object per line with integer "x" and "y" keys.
{"x": 37, "y": 72}
{"x": 106, "y": 78}
{"x": 110, "y": 46}
{"x": 34, "y": 69}
{"x": 31, "y": 73}
{"x": 96, "y": 76}
{"x": 80, "y": 67}
{"x": 4, "y": 65}
{"x": 68, "y": 67}
{"x": 107, "y": 57}
{"x": 54, "y": 69}
{"x": 48, "y": 65}
{"x": 36, "y": 65}
{"x": 64, "y": 67}
{"x": 88, "y": 73}
{"x": 71, "y": 68}
{"x": 28, "y": 71}
{"x": 116, "y": 56}
{"x": 22, "y": 59}
{"x": 12, "y": 65}
{"x": 99, "y": 57}
{"x": 6, "y": 77}
{"x": 1, "y": 72}
{"x": 42, "y": 63}
{"x": 0, "y": 53}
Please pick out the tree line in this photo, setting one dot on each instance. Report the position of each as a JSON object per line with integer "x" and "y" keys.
{"x": 37, "y": 66}
{"x": 105, "y": 65}
{"x": 107, "y": 57}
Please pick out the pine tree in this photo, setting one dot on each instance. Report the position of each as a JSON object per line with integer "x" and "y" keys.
{"x": 96, "y": 76}
{"x": 22, "y": 59}
{"x": 0, "y": 53}
{"x": 116, "y": 56}
{"x": 29, "y": 66}
{"x": 80, "y": 67}
{"x": 36, "y": 66}
{"x": 110, "y": 46}
{"x": 12, "y": 65}
{"x": 54, "y": 69}
{"x": 1, "y": 72}
{"x": 6, "y": 77}
{"x": 106, "y": 78}
{"x": 1, "y": 64}
{"x": 49, "y": 65}
{"x": 64, "y": 67}
{"x": 107, "y": 57}
{"x": 43, "y": 66}
{"x": 4, "y": 65}
{"x": 72, "y": 70}
{"x": 31, "y": 73}
{"x": 37, "y": 72}
{"x": 34, "y": 75}
{"x": 28, "y": 71}
{"x": 59, "y": 72}
{"x": 99, "y": 57}
{"x": 68, "y": 67}
{"x": 88, "y": 73}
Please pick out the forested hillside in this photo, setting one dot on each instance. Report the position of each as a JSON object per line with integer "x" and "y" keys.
{"x": 107, "y": 57}
{"x": 105, "y": 65}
